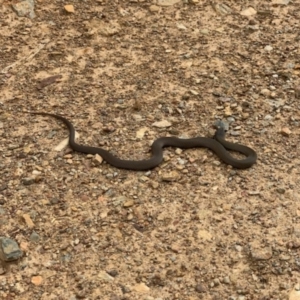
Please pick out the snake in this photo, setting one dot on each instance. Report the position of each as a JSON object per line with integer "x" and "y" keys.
{"x": 217, "y": 144}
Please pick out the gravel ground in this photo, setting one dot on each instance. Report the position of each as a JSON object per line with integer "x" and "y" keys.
{"x": 126, "y": 73}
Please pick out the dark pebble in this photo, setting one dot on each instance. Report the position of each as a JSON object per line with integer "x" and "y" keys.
{"x": 200, "y": 288}
{"x": 112, "y": 273}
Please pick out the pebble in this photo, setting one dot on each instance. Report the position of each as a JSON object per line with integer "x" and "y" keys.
{"x": 34, "y": 237}
{"x": 69, "y": 8}
{"x": 154, "y": 8}
{"x": 253, "y": 27}
{"x": 260, "y": 253}
{"x": 24, "y": 8}
{"x": 12, "y": 146}
{"x": 137, "y": 117}
{"x": 36, "y": 172}
{"x": 204, "y": 31}
{"x": 200, "y": 288}
{"x": 167, "y": 2}
{"x": 182, "y": 162}
{"x": 171, "y": 176}
{"x": 113, "y": 273}
{"x": 162, "y": 124}
{"x": 119, "y": 200}
{"x": 28, "y": 180}
{"x": 9, "y": 249}
{"x": 144, "y": 179}
{"x": 268, "y": 48}
{"x": 128, "y": 203}
{"x": 110, "y": 193}
{"x": 268, "y": 117}
{"x": 28, "y": 221}
{"x": 97, "y": 160}
{"x": 193, "y": 92}
{"x": 226, "y": 280}
{"x": 222, "y": 8}
{"x": 235, "y": 133}
{"x": 238, "y": 248}
{"x": 284, "y": 257}
{"x": 37, "y": 280}
{"x": 154, "y": 184}
{"x": 249, "y": 12}
{"x": 178, "y": 151}
{"x": 281, "y": 2}
{"x": 285, "y": 131}
{"x": 280, "y": 190}
{"x": 141, "y": 132}
{"x": 103, "y": 275}
{"x": 182, "y": 27}
{"x": 141, "y": 288}
{"x": 227, "y": 111}
{"x": 265, "y": 92}
{"x": 109, "y": 176}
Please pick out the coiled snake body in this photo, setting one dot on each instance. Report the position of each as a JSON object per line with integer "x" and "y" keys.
{"x": 218, "y": 145}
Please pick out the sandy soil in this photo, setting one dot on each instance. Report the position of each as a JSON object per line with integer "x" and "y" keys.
{"x": 192, "y": 228}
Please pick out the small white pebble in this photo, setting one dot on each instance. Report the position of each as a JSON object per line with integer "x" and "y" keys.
{"x": 268, "y": 48}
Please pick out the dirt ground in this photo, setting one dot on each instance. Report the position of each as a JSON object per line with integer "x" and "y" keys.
{"x": 128, "y": 73}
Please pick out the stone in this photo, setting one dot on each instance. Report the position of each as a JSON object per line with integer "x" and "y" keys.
{"x": 24, "y": 8}
{"x": 128, "y": 203}
{"x": 167, "y": 2}
{"x": 141, "y": 288}
{"x": 97, "y": 160}
{"x": 285, "y": 131}
{"x": 162, "y": 124}
{"x": 261, "y": 253}
{"x": 265, "y": 92}
{"x": 249, "y": 12}
{"x": 28, "y": 221}
{"x": 9, "y": 249}
{"x": 268, "y": 48}
{"x": 69, "y": 8}
{"x": 37, "y": 280}
{"x": 154, "y": 8}
{"x": 171, "y": 176}
{"x": 200, "y": 288}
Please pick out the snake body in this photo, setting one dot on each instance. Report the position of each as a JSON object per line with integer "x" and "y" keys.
{"x": 218, "y": 145}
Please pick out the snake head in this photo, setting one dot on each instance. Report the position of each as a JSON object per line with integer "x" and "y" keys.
{"x": 221, "y": 127}
{"x": 221, "y": 124}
